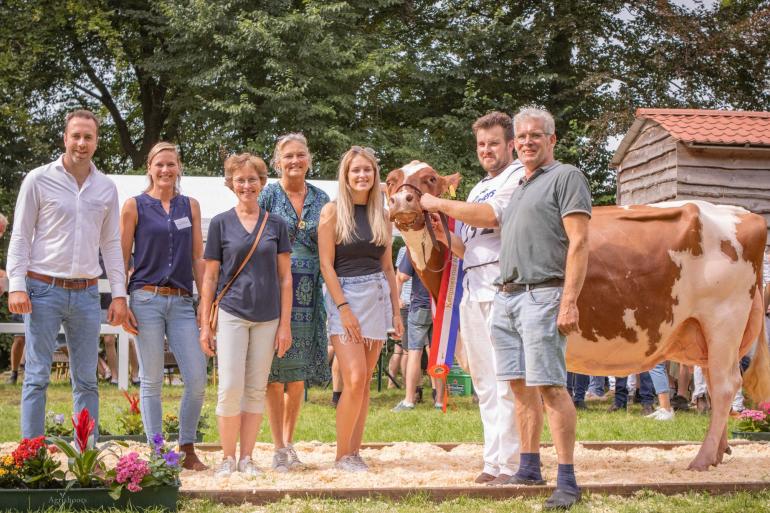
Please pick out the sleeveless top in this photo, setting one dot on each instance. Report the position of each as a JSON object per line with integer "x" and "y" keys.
{"x": 162, "y": 244}
{"x": 360, "y": 256}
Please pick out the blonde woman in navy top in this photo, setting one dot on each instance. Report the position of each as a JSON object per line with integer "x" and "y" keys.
{"x": 354, "y": 242}
{"x": 164, "y": 229}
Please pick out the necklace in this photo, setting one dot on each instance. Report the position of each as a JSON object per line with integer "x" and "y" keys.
{"x": 289, "y": 194}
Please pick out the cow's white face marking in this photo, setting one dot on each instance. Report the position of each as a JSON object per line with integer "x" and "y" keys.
{"x": 412, "y": 168}
{"x": 420, "y": 246}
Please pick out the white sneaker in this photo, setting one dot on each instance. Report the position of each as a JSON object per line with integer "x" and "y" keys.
{"x": 293, "y": 459}
{"x": 662, "y": 414}
{"x": 246, "y": 465}
{"x": 226, "y": 468}
{"x": 281, "y": 460}
{"x": 348, "y": 464}
{"x": 360, "y": 462}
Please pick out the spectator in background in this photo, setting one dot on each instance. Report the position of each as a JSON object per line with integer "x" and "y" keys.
{"x": 419, "y": 329}
{"x": 398, "y": 359}
{"x": 108, "y": 366}
{"x": 66, "y": 212}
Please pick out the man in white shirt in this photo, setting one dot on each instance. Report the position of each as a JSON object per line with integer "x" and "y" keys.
{"x": 479, "y": 248}
{"x": 66, "y": 212}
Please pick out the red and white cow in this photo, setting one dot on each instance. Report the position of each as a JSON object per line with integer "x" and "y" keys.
{"x": 678, "y": 281}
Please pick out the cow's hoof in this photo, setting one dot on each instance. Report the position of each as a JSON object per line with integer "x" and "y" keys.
{"x": 728, "y": 450}
{"x": 699, "y": 465}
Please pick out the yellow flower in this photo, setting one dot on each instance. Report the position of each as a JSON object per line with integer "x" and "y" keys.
{"x": 8, "y": 460}
{"x": 3, "y": 472}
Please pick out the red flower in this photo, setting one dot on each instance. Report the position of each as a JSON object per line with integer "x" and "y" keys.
{"x": 27, "y": 449}
{"x": 83, "y": 429}
{"x": 133, "y": 401}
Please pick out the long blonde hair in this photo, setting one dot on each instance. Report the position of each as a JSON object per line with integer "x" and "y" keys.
{"x": 375, "y": 212}
{"x": 159, "y": 147}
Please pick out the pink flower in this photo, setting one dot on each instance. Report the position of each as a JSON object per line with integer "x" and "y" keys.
{"x": 131, "y": 470}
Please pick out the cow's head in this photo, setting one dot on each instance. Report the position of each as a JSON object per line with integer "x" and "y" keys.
{"x": 406, "y": 184}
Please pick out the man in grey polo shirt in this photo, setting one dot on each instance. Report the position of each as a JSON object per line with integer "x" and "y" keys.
{"x": 542, "y": 267}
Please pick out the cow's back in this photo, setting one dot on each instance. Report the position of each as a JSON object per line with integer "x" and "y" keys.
{"x": 658, "y": 277}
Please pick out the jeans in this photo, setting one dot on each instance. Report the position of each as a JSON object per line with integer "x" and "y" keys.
{"x": 78, "y": 311}
{"x": 596, "y": 386}
{"x": 659, "y": 378}
{"x": 577, "y": 384}
{"x": 646, "y": 390}
{"x": 168, "y": 317}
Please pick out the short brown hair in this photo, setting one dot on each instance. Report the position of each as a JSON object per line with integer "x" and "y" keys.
{"x": 81, "y": 113}
{"x": 235, "y": 162}
{"x": 493, "y": 119}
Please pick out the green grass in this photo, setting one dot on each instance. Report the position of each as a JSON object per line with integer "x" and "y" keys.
{"x": 461, "y": 423}
{"x": 642, "y": 502}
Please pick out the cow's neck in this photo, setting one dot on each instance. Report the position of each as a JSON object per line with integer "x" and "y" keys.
{"x": 426, "y": 257}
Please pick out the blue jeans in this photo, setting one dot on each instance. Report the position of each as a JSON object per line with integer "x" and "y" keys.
{"x": 577, "y": 384}
{"x": 646, "y": 390}
{"x": 596, "y": 386}
{"x": 659, "y": 378}
{"x": 78, "y": 311}
{"x": 173, "y": 317}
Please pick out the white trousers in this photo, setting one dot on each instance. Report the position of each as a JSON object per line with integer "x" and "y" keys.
{"x": 245, "y": 352}
{"x": 498, "y": 416}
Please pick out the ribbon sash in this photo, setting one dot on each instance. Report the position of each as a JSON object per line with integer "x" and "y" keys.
{"x": 446, "y": 319}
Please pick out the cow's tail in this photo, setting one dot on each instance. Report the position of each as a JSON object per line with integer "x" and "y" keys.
{"x": 756, "y": 380}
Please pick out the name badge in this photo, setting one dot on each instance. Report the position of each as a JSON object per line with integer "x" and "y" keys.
{"x": 182, "y": 223}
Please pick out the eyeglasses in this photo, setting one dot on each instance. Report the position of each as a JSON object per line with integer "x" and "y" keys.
{"x": 250, "y": 181}
{"x": 533, "y": 136}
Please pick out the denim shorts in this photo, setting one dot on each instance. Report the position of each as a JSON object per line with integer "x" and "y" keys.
{"x": 419, "y": 326}
{"x": 528, "y": 344}
{"x": 369, "y": 299}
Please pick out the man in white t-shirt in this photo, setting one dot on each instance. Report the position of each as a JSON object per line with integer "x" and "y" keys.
{"x": 479, "y": 248}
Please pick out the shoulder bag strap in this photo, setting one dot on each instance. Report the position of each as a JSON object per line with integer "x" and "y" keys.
{"x": 243, "y": 264}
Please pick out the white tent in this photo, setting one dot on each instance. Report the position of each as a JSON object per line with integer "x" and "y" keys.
{"x": 210, "y": 191}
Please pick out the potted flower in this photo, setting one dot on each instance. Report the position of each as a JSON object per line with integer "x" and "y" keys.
{"x": 55, "y": 425}
{"x": 131, "y": 420}
{"x": 171, "y": 427}
{"x": 31, "y": 479}
{"x": 754, "y": 424}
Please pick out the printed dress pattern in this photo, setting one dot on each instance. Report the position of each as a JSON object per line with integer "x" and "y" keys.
{"x": 306, "y": 360}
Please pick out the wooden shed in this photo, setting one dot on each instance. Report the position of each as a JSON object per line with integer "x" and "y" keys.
{"x": 713, "y": 155}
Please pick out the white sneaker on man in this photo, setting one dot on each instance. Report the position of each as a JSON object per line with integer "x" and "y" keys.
{"x": 226, "y": 468}
{"x": 662, "y": 414}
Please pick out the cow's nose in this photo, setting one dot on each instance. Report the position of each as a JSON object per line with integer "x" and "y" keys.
{"x": 409, "y": 198}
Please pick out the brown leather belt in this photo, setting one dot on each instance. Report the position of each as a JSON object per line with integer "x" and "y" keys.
{"x": 511, "y": 287}
{"x": 64, "y": 283}
{"x": 166, "y": 291}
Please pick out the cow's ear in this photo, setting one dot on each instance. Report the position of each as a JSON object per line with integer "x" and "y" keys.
{"x": 452, "y": 182}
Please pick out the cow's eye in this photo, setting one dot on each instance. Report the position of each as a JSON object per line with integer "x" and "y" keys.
{"x": 432, "y": 179}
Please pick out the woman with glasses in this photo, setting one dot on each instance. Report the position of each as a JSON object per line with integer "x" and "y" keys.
{"x": 354, "y": 240}
{"x": 254, "y": 310}
{"x": 298, "y": 203}
{"x": 163, "y": 228}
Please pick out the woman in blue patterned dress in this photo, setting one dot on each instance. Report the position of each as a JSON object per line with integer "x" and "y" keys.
{"x": 299, "y": 204}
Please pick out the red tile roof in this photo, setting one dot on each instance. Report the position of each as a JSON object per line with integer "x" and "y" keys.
{"x": 712, "y": 126}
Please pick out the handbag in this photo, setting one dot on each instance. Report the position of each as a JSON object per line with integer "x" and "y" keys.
{"x": 214, "y": 312}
